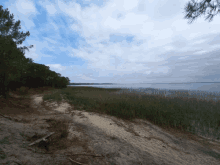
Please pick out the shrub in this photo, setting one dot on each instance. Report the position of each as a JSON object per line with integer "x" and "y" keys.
{"x": 23, "y": 90}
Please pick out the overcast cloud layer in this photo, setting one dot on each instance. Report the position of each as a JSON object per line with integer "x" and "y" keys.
{"x": 120, "y": 41}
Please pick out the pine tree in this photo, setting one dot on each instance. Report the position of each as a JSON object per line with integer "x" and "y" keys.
{"x": 194, "y": 10}
{"x": 11, "y": 57}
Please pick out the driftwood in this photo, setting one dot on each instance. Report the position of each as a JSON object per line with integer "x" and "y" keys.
{"x": 42, "y": 139}
{"x": 75, "y": 161}
{"x": 81, "y": 154}
{"x": 84, "y": 154}
{"x": 77, "y": 154}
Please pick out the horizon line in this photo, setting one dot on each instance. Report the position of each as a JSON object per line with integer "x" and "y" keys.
{"x": 145, "y": 83}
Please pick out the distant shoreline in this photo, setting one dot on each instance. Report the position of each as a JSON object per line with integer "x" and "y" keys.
{"x": 133, "y": 83}
{"x": 92, "y": 84}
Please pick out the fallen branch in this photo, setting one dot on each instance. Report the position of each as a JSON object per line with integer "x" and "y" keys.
{"x": 6, "y": 116}
{"x": 84, "y": 154}
{"x": 17, "y": 163}
{"x": 77, "y": 154}
{"x": 75, "y": 161}
{"x": 42, "y": 139}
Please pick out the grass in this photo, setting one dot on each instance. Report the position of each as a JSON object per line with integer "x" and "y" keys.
{"x": 59, "y": 140}
{"x": 181, "y": 111}
{"x": 59, "y": 125}
{"x": 2, "y": 154}
{"x": 55, "y": 96}
{"x": 4, "y": 140}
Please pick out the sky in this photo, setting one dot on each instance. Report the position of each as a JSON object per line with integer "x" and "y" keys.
{"x": 120, "y": 41}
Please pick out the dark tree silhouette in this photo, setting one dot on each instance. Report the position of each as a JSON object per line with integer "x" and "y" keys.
{"x": 194, "y": 10}
{"x": 15, "y": 69}
{"x": 11, "y": 57}
{"x": 10, "y": 28}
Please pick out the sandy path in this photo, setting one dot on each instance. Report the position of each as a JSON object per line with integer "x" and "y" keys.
{"x": 138, "y": 142}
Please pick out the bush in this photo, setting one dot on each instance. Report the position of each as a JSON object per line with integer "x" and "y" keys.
{"x": 23, "y": 90}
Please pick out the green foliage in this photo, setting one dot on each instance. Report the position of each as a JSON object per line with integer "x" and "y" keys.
{"x": 15, "y": 69}
{"x": 4, "y": 140}
{"x": 2, "y": 154}
{"x": 194, "y": 10}
{"x": 10, "y": 29}
{"x": 10, "y": 55}
{"x": 23, "y": 90}
{"x": 54, "y": 96}
{"x": 186, "y": 114}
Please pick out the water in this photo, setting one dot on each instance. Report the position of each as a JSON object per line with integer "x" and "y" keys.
{"x": 167, "y": 89}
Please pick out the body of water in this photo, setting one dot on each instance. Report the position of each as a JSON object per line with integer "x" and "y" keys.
{"x": 167, "y": 88}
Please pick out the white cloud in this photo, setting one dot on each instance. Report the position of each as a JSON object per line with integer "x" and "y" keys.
{"x": 57, "y": 67}
{"x": 163, "y": 45}
{"x": 24, "y": 11}
{"x": 85, "y": 77}
{"x": 49, "y": 6}
{"x": 50, "y": 40}
{"x": 32, "y": 52}
{"x": 26, "y": 7}
{"x": 37, "y": 52}
{"x": 200, "y": 52}
{"x": 198, "y": 42}
{"x": 51, "y": 9}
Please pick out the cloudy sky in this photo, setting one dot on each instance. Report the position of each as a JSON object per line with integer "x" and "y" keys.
{"x": 120, "y": 41}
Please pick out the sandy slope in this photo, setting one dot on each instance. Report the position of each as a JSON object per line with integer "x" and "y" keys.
{"x": 137, "y": 142}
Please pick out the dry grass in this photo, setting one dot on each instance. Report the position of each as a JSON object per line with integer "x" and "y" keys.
{"x": 178, "y": 114}
{"x": 57, "y": 144}
{"x": 58, "y": 140}
{"x": 193, "y": 113}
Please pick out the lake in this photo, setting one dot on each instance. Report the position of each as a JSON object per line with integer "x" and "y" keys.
{"x": 169, "y": 88}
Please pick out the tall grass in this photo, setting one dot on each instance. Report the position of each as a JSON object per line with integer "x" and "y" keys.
{"x": 182, "y": 111}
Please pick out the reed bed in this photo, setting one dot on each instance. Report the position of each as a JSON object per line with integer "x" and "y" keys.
{"x": 184, "y": 111}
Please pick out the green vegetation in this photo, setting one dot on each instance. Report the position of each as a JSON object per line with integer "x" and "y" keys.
{"x": 4, "y": 141}
{"x": 91, "y": 83}
{"x": 15, "y": 69}
{"x": 2, "y": 154}
{"x": 195, "y": 115}
{"x": 55, "y": 96}
{"x": 193, "y": 10}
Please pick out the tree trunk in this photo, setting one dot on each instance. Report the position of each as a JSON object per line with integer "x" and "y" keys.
{"x": 4, "y": 89}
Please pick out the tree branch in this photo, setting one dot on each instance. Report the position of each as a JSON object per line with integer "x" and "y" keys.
{"x": 42, "y": 139}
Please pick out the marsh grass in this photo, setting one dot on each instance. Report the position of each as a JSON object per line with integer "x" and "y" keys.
{"x": 54, "y": 96}
{"x": 182, "y": 111}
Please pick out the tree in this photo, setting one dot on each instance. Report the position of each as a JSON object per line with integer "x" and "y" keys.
{"x": 8, "y": 55}
{"x": 11, "y": 57}
{"x": 68, "y": 80}
{"x": 20, "y": 69}
{"x": 194, "y": 10}
{"x": 15, "y": 69}
{"x": 9, "y": 28}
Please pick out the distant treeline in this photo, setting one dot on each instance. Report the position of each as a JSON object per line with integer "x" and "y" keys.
{"x": 15, "y": 69}
{"x": 91, "y": 84}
